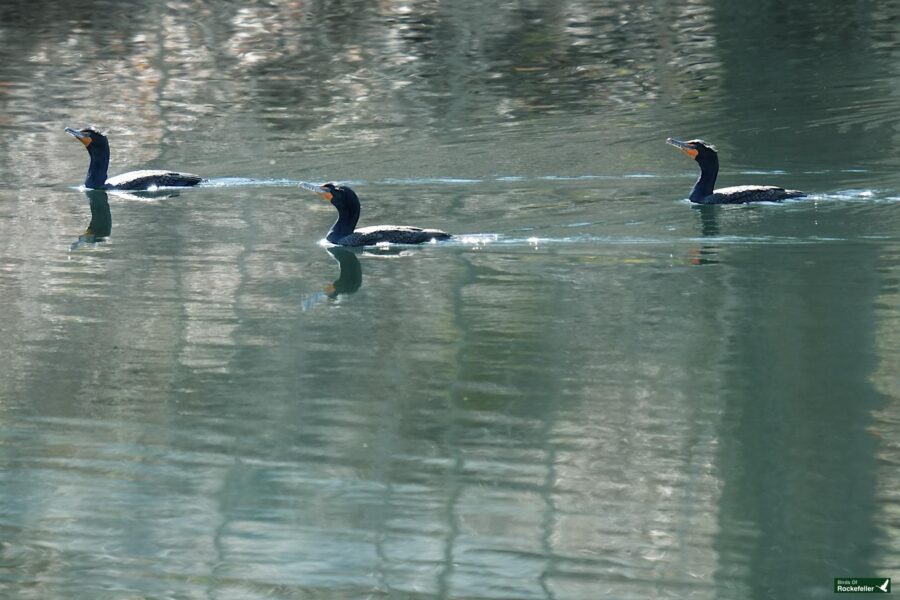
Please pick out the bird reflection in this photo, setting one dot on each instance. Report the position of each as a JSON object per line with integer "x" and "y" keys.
{"x": 350, "y": 278}
{"x": 348, "y": 282}
{"x": 707, "y": 254}
{"x": 709, "y": 221}
{"x": 101, "y": 219}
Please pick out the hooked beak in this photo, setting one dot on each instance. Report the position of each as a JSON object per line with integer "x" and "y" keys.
{"x": 318, "y": 189}
{"x": 82, "y": 137}
{"x": 683, "y": 146}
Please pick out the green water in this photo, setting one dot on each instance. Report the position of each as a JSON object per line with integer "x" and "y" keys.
{"x": 595, "y": 391}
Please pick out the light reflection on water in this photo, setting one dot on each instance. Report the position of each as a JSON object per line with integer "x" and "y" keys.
{"x": 596, "y": 390}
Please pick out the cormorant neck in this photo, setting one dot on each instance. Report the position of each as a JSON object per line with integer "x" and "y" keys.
{"x": 348, "y": 217}
{"x": 709, "y": 169}
{"x": 96, "y": 175}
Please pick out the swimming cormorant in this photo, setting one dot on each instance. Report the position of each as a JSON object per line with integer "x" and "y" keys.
{"x": 703, "y": 192}
{"x": 344, "y": 232}
{"x": 98, "y": 148}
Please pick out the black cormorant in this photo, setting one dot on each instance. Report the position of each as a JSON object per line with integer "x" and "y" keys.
{"x": 98, "y": 148}
{"x": 703, "y": 192}
{"x": 344, "y": 232}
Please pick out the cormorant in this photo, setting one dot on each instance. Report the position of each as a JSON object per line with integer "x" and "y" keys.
{"x": 703, "y": 192}
{"x": 98, "y": 149}
{"x": 344, "y": 232}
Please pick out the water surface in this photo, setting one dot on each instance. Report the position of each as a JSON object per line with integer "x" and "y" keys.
{"x": 595, "y": 391}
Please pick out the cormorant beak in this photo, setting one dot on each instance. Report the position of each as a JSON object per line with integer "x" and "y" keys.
{"x": 318, "y": 189}
{"x": 82, "y": 137}
{"x": 684, "y": 147}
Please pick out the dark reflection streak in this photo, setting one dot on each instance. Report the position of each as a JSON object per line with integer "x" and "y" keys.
{"x": 387, "y": 439}
{"x": 163, "y": 77}
{"x": 457, "y": 62}
{"x": 219, "y": 534}
{"x": 382, "y": 534}
{"x": 549, "y": 513}
{"x": 454, "y": 473}
{"x": 455, "y": 489}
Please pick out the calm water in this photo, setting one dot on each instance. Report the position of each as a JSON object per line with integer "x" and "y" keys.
{"x": 594, "y": 391}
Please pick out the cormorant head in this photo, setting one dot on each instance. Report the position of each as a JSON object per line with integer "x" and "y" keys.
{"x": 696, "y": 149}
{"x": 91, "y": 138}
{"x": 345, "y": 201}
{"x": 341, "y": 196}
{"x": 707, "y": 160}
